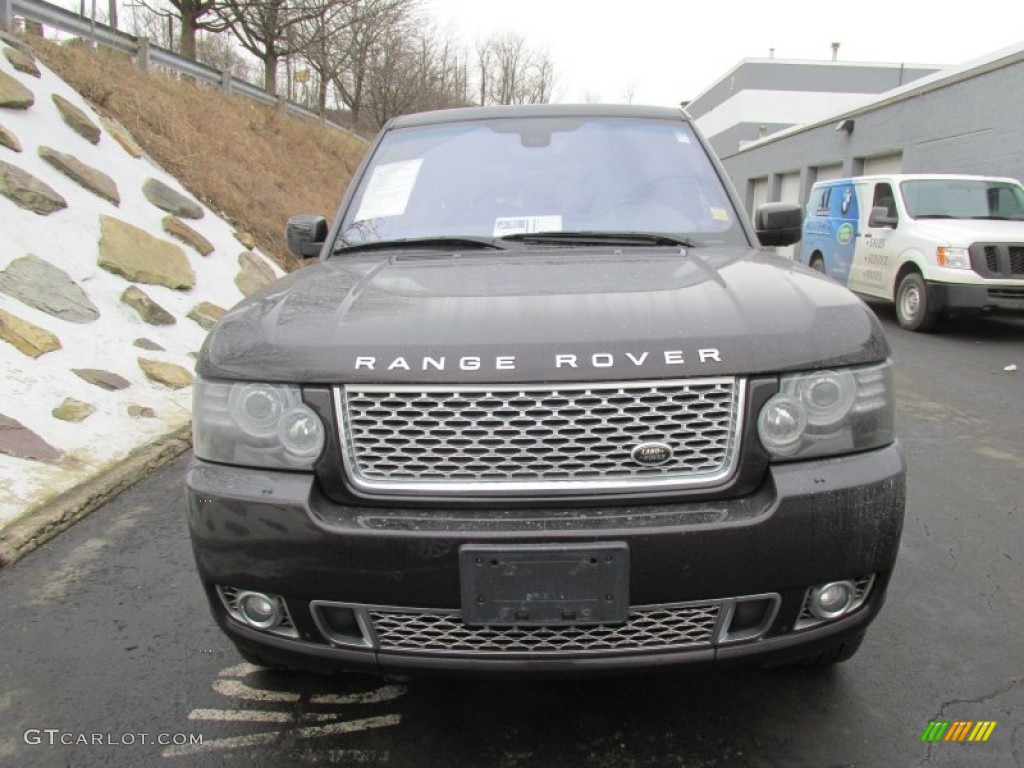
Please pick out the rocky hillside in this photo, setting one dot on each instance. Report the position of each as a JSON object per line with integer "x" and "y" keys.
{"x": 110, "y": 275}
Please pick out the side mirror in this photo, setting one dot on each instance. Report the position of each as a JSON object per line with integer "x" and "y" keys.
{"x": 305, "y": 235}
{"x": 778, "y": 223}
{"x": 880, "y": 218}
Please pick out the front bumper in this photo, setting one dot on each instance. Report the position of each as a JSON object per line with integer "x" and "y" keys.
{"x": 976, "y": 298}
{"x": 810, "y": 523}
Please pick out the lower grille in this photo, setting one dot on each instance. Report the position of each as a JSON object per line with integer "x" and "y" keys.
{"x": 656, "y": 628}
{"x": 1014, "y": 294}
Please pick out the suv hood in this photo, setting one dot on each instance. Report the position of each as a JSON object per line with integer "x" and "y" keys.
{"x": 550, "y": 314}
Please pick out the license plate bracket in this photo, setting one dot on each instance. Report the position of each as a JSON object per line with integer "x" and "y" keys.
{"x": 533, "y": 585}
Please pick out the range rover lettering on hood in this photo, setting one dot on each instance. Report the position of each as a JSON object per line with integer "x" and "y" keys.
{"x": 558, "y": 361}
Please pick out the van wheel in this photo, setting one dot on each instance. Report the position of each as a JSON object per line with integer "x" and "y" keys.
{"x": 912, "y": 310}
{"x": 818, "y": 264}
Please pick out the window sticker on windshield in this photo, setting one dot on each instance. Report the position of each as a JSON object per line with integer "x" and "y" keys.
{"x": 719, "y": 214}
{"x": 389, "y": 190}
{"x": 682, "y": 138}
{"x": 525, "y": 225}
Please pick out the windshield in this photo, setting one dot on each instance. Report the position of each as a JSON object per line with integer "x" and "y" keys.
{"x": 510, "y": 177}
{"x": 963, "y": 199}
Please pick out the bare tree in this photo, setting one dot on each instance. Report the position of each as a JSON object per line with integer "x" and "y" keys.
{"x": 192, "y": 16}
{"x": 337, "y": 43}
{"x": 510, "y": 72}
{"x": 270, "y": 29}
{"x": 629, "y": 90}
{"x": 414, "y": 69}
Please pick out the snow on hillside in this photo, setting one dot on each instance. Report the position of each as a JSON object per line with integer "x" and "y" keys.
{"x": 43, "y": 454}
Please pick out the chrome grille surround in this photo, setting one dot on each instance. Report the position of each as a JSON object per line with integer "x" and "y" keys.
{"x": 523, "y": 439}
{"x": 656, "y": 628}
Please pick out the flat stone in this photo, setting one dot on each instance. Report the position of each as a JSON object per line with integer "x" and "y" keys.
{"x": 18, "y": 440}
{"x": 245, "y": 238}
{"x": 14, "y": 95}
{"x": 49, "y": 289}
{"x": 255, "y": 273}
{"x": 121, "y": 136}
{"x": 73, "y": 410}
{"x": 206, "y": 314}
{"x": 168, "y": 374}
{"x": 102, "y": 379}
{"x": 152, "y": 346}
{"x": 167, "y": 199}
{"x": 148, "y": 310}
{"x": 179, "y": 229}
{"x": 17, "y": 43}
{"x": 27, "y": 338}
{"x": 77, "y": 120}
{"x": 29, "y": 192}
{"x": 136, "y": 255}
{"x": 9, "y": 140}
{"x": 141, "y": 412}
{"x": 22, "y": 61}
{"x": 93, "y": 179}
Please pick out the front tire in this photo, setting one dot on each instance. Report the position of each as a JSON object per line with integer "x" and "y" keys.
{"x": 912, "y": 309}
{"x": 818, "y": 264}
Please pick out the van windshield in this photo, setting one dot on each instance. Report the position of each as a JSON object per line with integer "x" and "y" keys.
{"x": 509, "y": 177}
{"x": 963, "y": 199}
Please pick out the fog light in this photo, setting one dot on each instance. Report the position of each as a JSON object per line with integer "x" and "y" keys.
{"x": 830, "y": 601}
{"x": 259, "y": 610}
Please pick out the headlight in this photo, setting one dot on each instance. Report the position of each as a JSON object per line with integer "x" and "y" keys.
{"x": 828, "y": 413}
{"x": 955, "y": 258}
{"x": 255, "y": 425}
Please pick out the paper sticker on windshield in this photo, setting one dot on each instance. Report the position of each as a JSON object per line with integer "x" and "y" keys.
{"x": 682, "y": 138}
{"x": 389, "y": 189}
{"x": 525, "y": 225}
{"x": 719, "y": 214}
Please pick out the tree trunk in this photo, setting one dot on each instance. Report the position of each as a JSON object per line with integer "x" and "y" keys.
{"x": 270, "y": 72}
{"x": 189, "y": 24}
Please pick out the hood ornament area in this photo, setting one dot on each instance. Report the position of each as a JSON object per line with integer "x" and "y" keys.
{"x": 651, "y": 454}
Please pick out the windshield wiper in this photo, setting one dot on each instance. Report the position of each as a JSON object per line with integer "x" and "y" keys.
{"x": 455, "y": 242}
{"x": 995, "y": 217}
{"x": 934, "y": 216}
{"x": 601, "y": 238}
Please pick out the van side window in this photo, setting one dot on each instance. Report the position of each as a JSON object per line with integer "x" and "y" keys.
{"x": 884, "y": 198}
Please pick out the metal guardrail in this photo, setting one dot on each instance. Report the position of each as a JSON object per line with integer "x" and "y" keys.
{"x": 146, "y": 54}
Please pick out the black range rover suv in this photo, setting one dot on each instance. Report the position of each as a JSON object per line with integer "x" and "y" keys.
{"x": 543, "y": 404}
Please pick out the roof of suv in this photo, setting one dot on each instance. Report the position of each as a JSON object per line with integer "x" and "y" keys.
{"x": 537, "y": 110}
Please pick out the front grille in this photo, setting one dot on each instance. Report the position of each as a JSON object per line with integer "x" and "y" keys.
{"x": 572, "y": 437}
{"x": 998, "y": 259}
{"x": 655, "y": 628}
{"x": 1016, "y": 259}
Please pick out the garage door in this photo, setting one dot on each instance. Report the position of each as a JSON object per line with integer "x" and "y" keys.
{"x": 884, "y": 164}
{"x": 828, "y": 172}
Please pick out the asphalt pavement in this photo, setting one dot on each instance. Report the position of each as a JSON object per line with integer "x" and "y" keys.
{"x": 110, "y": 657}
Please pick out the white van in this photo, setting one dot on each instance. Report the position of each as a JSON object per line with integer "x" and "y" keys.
{"x": 934, "y": 244}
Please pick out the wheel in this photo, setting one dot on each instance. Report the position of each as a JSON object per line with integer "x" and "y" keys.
{"x": 912, "y": 310}
{"x": 818, "y": 263}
